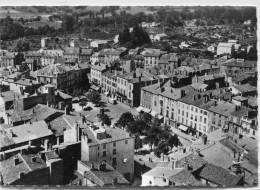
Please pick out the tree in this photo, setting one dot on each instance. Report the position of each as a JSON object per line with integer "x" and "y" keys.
{"x": 93, "y": 97}
{"x": 138, "y": 142}
{"x": 68, "y": 23}
{"x": 22, "y": 46}
{"x": 82, "y": 103}
{"x": 173, "y": 141}
{"x": 125, "y": 119}
{"x": 105, "y": 119}
{"x": 146, "y": 117}
{"x": 137, "y": 126}
{"x": 153, "y": 136}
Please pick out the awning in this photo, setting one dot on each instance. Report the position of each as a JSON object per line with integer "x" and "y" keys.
{"x": 106, "y": 93}
{"x": 140, "y": 108}
{"x": 160, "y": 116}
{"x": 146, "y": 110}
{"x": 94, "y": 87}
{"x": 183, "y": 128}
{"x": 154, "y": 113}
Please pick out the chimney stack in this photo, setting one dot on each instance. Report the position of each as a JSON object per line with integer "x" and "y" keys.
{"x": 33, "y": 159}
{"x": 21, "y": 174}
{"x": 92, "y": 166}
{"x": 16, "y": 160}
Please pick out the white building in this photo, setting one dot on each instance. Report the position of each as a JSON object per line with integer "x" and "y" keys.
{"x": 96, "y": 73}
{"x": 225, "y": 48}
{"x": 110, "y": 145}
{"x": 98, "y": 43}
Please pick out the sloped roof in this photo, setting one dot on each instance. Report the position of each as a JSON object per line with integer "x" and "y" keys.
{"x": 219, "y": 175}
{"x": 105, "y": 177}
{"x": 27, "y": 132}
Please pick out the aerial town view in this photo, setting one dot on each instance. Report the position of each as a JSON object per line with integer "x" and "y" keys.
{"x": 128, "y": 96}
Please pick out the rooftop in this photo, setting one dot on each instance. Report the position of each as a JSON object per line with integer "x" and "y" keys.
{"x": 219, "y": 175}
{"x": 112, "y": 134}
{"x": 27, "y": 132}
{"x": 103, "y": 177}
{"x": 245, "y": 88}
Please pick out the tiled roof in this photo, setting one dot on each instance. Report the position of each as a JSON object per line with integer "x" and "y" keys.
{"x": 223, "y": 108}
{"x": 10, "y": 173}
{"x": 8, "y": 95}
{"x": 58, "y": 125}
{"x": 37, "y": 113}
{"x": 219, "y": 175}
{"x": 217, "y": 156}
{"x": 26, "y": 82}
{"x": 86, "y": 51}
{"x": 194, "y": 161}
{"x": 105, "y": 177}
{"x": 27, "y": 132}
{"x": 241, "y": 77}
{"x": 51, "y": 155}
{"x": 100, "y": 67}
{"x": 252, "y": 101}
{"x": 163, "y": 172}
{"x": 241, "y": 112}
{"x": 63, "y": 95}
{"x": 113, "y": 134}
{"x": 51, "y": 69}
{"x": 222, "y": 44}
{"x": 211, "y": 77}
{"x": 245, "y": 88}
{"x": 237, "y": 63}
{"x": 185, "y": 178}
{"x": 71, "y": 50}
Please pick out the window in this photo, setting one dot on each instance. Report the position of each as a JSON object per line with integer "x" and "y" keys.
{"x": 200, "y": 118}
{"x": 204, "y": 128}
{"x": 114, "y": 162}
{"x": 205, "y": 120}
{"x": 164, "y": 180}
{"x": 179, "y": 111}
{"x": 254, "y": 132}
{"x": 196, "y": 110}
{"x": 126, "y": 141}
{"x": 191, "y": 117}
{"x": 114, "y": 151}
{"x": 114, "y": 144}
{"x": 182, "y": 120}
{"x": 155, "y": 103}
{"x": 98, "y": 147}
{"x": 187, "y": 114}
{"x": 150, "y": 182}
{"x": 191, "y": 123}
{"x": 195, "y": 118}
{"x": 104, "y": 153}
{"x": 182, "y": 113}
{"x": 97, "y": 154}
{"x": 104, "y": 146}
{"x": 191, "y": 108}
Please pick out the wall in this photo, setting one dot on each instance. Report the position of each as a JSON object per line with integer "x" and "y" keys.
{"x": 56, "y": 171}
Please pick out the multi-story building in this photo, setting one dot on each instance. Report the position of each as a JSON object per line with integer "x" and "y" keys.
{"x": 11, "y": 59}
{"x": 225, "y": 48}
{"x": 85, "y": 55}
{"x": 98, "y": 43}
{"x": 63, "y": 77}
{"x": 47, "y": 59}
{"x": 36, "y": 56}
{"x": 71, "y": 53}
{"x": 238, "y": 66}
{"x": 110, "y": 145}
{"x": 129, "y": 85}
{"x": 96, "y": 73}
{"x": 151, "y": 59}
{"x": 109, "y": 82}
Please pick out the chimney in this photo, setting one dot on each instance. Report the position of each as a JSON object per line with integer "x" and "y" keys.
{"x": 21, "y": 174}
{"x": 16, "y": 160}
{"x": 92, "y": 166}
{"x": 194, "y": 97}
{"x": 33, "y": 159}
{"x": 237, "y": 107}
{"x": 11, "y": 133}
{"x": 67, "y": 110}
{"x": 114, "y": 181}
